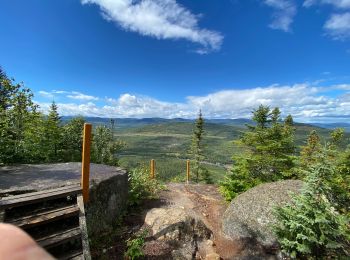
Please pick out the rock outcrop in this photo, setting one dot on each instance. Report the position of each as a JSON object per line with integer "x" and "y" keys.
{"x": 250, "y": 215}
{"x": 181, "y": 227}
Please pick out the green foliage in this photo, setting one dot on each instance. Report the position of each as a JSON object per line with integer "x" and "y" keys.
{"x": 53, "y": 133}
{"x": 311, "y": 227}
{"x": 135, "y": 246}
{"x": 267, "y": 153}
{"x": 72, "y": 139}
{"x": 196, "y": 151}
{"x": 18, "y": 119}
{"x": 27, "y": 136}
{"x": 142, "y": 186}
{"x": 104, "y": 147}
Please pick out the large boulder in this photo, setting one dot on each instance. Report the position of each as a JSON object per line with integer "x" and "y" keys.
{"x": 250, "y": 215}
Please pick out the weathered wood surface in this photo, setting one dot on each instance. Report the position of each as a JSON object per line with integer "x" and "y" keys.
{"x": 46, "y": 217}
{"x": 78, "y": 254}
{"x": 34, "y": 197}
{"x": 83, "y": 228}
{"x": 2, "y": 215}
{"x": 59, "y": 237}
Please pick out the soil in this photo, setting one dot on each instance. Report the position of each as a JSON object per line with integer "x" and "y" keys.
{"x": 204, "y": 200}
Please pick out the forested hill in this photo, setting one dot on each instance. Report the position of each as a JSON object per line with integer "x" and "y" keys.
{"x": 238, "y": 122}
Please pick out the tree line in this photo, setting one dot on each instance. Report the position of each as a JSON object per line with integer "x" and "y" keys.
{"x": 29, "y": 136}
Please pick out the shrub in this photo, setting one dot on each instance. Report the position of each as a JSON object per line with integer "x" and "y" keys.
{"x": 135, "y": 246}
{"x": 142, "y": 186}
{"x": 311, "y": 227}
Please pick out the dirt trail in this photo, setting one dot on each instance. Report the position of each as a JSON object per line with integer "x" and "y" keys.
{"x": 207, "y": 203}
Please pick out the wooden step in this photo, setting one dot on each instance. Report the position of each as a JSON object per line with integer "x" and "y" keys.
{"x": 35, "y": 197}
{"x": 46, "y": 217}
{"x": 77, "y": 254}
{"x": 59, "y": 238}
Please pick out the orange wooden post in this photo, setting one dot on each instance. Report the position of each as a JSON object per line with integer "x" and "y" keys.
{"x": 152, "y": 168}
{"x": 188, "y": 171}
{"x": 85, "y": 165}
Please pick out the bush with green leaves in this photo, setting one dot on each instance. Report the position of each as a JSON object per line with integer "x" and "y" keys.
{"x": 311, "y": 227}
{"x": 142, "y": 186}
{"x": 135, "y": 246}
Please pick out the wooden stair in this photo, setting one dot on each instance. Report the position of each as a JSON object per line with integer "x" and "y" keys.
{"x": 54, "y": 218}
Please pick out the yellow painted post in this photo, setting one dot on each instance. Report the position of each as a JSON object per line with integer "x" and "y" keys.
{"x": 85, "y": 165}
{"x": 188, "y": 171}
{"x": 152, "y": 168}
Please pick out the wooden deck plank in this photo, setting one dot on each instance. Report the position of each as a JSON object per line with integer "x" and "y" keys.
{"x": 83, "y": 228}
{"x": 23, "y": 195}
{"x": 78, "y": 254}
{"x": 32, "y": 198}
{"x": 46, "y": 217}
{"x": 59, "y": 238}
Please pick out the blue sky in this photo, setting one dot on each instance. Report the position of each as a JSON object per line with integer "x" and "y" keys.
{"x": 169, "y": 58}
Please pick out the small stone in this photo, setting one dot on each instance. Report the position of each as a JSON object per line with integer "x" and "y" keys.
{"x": 212, "y": 256}
{"x": 210, "y": 243}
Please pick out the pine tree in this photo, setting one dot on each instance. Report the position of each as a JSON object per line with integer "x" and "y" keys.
{"x": 72, "y": 139}
{"x": 311, "y": 227}
{"x": 196, "y": 150}
{"x": 310, "y": 152}
{"x": 53, "y": 132}
{"x": 267, "y": 153}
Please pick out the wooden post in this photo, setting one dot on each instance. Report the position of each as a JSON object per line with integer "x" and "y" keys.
{"x": 152, "y": 168}
{"x": 85, "y": 165}
{"x": 188, "y": 171}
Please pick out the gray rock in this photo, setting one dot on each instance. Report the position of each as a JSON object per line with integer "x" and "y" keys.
{"x": 176, "y": 224}
{"x": 250, "y": 215}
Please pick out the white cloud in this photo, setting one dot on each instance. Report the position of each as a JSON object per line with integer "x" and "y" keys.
{"x": 69, "y": 94}
{"x": 342, "y": 4}
{"x": 284, "y": 12}
{"x": 81, "y": 96}
{"x": 45, "y": 94}
{"x": 306, "y": 102}
{"x": 338, "y": 26}
{"x": 162, "y": 19}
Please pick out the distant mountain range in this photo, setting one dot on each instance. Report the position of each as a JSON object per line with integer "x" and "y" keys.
{"x": 239, "y": 122}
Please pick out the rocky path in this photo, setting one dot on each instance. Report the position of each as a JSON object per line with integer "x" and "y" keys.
{"x": 202, "y": 204}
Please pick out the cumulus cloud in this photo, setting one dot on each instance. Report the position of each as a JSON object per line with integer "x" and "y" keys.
{"x": 338, "y": 26}
{"x": 161, "y": 19}
{"x": 284, "y": 12}
{"x": 305, "y": 102}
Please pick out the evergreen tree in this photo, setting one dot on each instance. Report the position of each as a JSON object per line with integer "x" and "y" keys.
{"x": 53, "y": 132}
{"x": 196, "y": 150}
{"x": 267, "y": 153}
{"x": 311, "y": 227}
{"x": 72, "y": 139}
